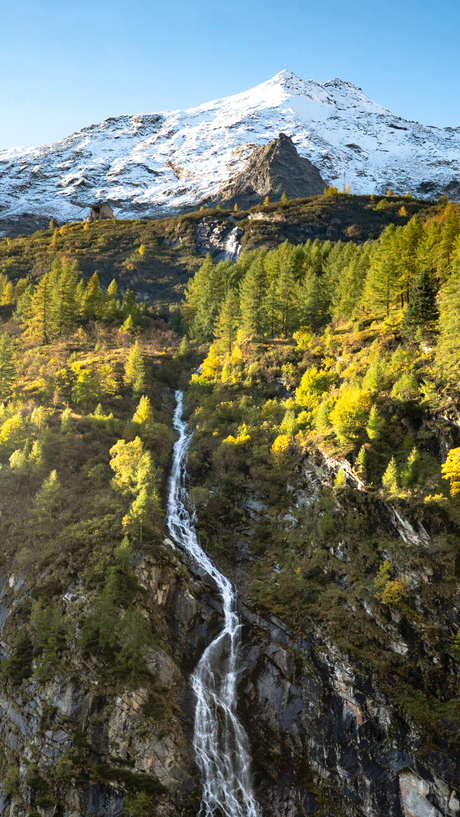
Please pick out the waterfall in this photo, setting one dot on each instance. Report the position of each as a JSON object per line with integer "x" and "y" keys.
{"x": 232, "y": 247}
{"x": 220, "y": 742}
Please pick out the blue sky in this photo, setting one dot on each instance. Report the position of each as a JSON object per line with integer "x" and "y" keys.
{"x": 65, "y": 65}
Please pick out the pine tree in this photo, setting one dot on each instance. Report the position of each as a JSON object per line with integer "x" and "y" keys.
{"x": 361, "y": 463}
{"x": 447, "y": 357}
{"x": 252, "y": 292}
{"x": 87, "y": 387}
{"x": 314, "y": 303}
{"x": 381, "y": 290}
{"x": 340, "y": 480}
{"x": 391, "y": 477}
{"x": 134, "y": 367}
{"x": 19, "y": 461}
{"x": 227, "y": 323}
{"x": 7, "y": 296}
{"x": 7, "y": 367}
{"x": 406, "y": 387}
{"x": 39, "y": 318}
{"x": 66, "y": 302}
{"x": 374, "y": 379}
{"x": 93, "y": 301}
{"x": 204, "y": 297}
{"x": 37, "y": 456}
{"x": 375, "y": 424}
{"x": 144, "y": 414}
{"x": 422, "y": 309}
{"x": 408, "y": 240}
{"x": 451, "y": 470}
{"x": 410, "y": 474}
{"x": 111, "y": 304}
{"x": 286, "y": 292}
{"x": 47, "y": 499}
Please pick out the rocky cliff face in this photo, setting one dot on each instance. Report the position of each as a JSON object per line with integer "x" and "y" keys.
{"x": 326, "y": 738}
{"x": 272, "y": 170}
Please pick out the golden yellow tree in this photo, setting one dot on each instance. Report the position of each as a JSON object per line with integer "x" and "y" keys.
{"x": 451, "y": 470}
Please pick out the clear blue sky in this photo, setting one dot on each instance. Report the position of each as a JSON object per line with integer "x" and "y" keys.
{"x": 67, "y": 64}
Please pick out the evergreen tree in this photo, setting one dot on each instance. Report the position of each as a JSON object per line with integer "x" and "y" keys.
{"x": 65, "y": 303}
{"x": 451, "y": 470}
{"x": 422, "y": 309}
{"x": 374, "y": 379}
{"x": 407, "y": 239}
{"x": 227, "y": 323}
{"x": 410, "y": 474}
{"x": 406, "y": 387}
{"x": 314, "y": 303}
{"x": 47, "y": 499}
{"x": 286, "y": 292}
{"x": 447, "y": 359}
{"x": 375, "y": 424}
{"x": 39, "y": 318}
{"x": 111, "y": 303}
{"x": 391, "y": 477}
{"x": 204, "y": 296}
{"x": 7, "y": 296}
{"x": 7, "y": 366}
{"x": 37, "y": 456}
{"x": 134, "y": 368}
{"x": 86, "y": 389}
{"x": 381, "y": 290}
{"x": 93, "y": 301}
{"x": 252, "y": 292}
{"x": 361, "y": 463}
{"x": 143, "y": 414}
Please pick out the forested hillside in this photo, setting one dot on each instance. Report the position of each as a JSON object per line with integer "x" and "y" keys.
{"x": 324, "y": 473}
{"x": 325, "y": 461}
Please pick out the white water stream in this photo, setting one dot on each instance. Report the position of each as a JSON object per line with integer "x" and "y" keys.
{"x": 220, "y": 742}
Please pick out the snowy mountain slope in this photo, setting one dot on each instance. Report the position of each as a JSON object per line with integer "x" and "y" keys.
{"x": 150, "y": 164}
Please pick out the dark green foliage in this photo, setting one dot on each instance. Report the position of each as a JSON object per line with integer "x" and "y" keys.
{"x": 18, "y": 665}
{"x": 422, "y": 309}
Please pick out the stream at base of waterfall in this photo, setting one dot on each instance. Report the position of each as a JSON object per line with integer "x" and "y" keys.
{"x": 220, "y": 742}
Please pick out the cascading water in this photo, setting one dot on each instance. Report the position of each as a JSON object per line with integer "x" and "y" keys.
{"x": 221, "y": 745}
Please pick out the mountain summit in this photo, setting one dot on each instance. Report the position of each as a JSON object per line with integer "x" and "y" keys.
{"x": 152, "y": 164}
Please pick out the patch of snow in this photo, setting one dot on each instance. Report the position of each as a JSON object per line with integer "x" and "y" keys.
{"x": 129, "y": 160}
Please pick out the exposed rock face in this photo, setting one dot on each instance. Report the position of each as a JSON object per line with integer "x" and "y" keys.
{"x": 272, "y": 170}
{"x": 328, "y": 742}
{"x": 24, "y": 224}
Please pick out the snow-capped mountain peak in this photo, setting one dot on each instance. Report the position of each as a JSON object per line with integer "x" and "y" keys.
{"x": 150, "y": 164}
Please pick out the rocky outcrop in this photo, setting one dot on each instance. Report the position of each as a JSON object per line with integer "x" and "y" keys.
{"x": 24, "y": 224}
{"x": 327, "y": 741}
{"x": 272, "y": 170}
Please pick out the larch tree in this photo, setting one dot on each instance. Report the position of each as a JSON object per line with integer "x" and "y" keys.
{"x": 227, "y": 323}
{"x": 7, "y": 366}
{"x": 134, "y": 368}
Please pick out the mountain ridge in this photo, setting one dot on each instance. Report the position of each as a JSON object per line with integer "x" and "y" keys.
{"x": 158, "y": 163}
